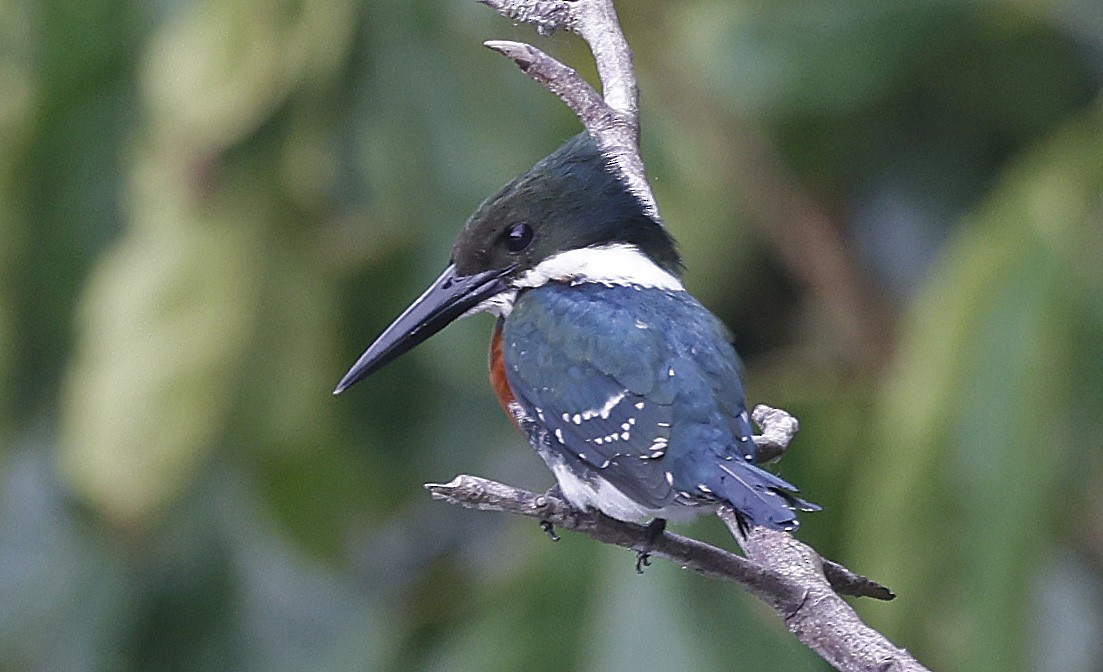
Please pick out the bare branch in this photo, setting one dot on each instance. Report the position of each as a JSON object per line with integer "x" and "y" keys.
{"x": 561, "y": 80}
{"x": 823, "y": 620}
{"x": 598, "y": 25}
{"x": 846, "y": 582}
{"x": 779, "y": 570}
{"x": 802, "y": 587}
{"x": 778, "y": 429}
{"x": 596, "y": 22}
{"x": 547, "y": 15}
{"x": 612, "y": 120}
{"x": 473, "y": 492}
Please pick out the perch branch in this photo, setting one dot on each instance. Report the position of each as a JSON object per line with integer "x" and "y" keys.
{"x": 787, "y": 575}
{"x": 611, "y": 119}
{"x": 766, "y": 583}
{"x": 802, "y": 587}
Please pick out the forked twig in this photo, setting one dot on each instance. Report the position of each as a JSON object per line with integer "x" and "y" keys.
{"x": 612, "y": 118}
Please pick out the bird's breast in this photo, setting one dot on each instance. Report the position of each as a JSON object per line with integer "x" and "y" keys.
{"x": 498, "y": 380}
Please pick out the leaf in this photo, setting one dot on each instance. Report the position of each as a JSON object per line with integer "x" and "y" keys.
{"x": 165, "y": 323}
{"x": 214, "y": 74}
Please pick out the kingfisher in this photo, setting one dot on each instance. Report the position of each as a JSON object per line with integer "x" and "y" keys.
{"x": 627, "y": 387}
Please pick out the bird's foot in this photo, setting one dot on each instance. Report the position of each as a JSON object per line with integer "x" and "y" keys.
{"x": 549, "y": 530}
{"x": 553, "y": 493}
{"x": 654, "y": 530}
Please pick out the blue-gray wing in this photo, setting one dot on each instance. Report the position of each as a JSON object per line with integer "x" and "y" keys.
{"x": 600, "y": 369}
{"x": 590, "y": 374}
{"x": 642, "y": 386}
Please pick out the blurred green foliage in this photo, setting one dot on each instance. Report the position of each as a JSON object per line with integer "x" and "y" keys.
{"x": 208, "y": 208}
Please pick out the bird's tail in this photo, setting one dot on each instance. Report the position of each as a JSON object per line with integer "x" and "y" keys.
{"x": 759, "y": 497}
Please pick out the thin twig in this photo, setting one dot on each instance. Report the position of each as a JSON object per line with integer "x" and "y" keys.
{"x": 561, "y": 80}
{"x": 787, "y": 575}
{"x": 778, "y": 429}
{"x": 474, "y": 492}
{"x": 612, "y": 119}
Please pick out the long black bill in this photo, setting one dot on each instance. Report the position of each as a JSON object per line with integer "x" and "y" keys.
{"x": 449, "y": 297}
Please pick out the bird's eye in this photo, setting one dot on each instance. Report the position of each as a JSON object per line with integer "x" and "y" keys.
{"x": 518, "y": 237}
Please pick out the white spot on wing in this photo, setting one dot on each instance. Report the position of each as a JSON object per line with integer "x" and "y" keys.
{"x": 610, "y": 403}
{"x": 602, "y": 411}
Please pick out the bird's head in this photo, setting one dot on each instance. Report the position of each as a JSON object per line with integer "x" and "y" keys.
{"x": 568, "y": 218}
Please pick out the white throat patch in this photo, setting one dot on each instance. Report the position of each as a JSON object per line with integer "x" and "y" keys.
{"x": 617, "y": 264}
{"x": 501, "y": 304}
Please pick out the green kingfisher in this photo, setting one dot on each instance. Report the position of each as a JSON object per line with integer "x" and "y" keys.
{"x": 626, "y": 386}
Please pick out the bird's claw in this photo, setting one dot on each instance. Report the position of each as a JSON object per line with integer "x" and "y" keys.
{"x": 549, "y": 530}
{"x": 653, "y": 531}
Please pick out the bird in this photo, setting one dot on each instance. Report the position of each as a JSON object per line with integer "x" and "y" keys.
{"x": 627, "y": 387}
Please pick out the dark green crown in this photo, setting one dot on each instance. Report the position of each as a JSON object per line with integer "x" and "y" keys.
{"x": 569, "y": 200}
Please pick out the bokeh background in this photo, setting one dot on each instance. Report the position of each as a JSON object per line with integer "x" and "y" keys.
{"x": 208, "y": 208}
